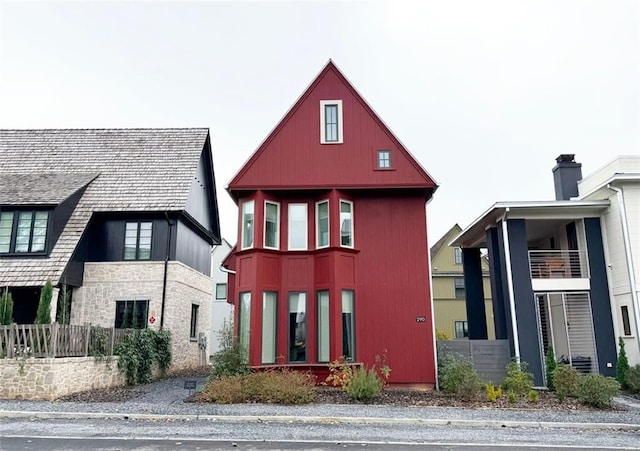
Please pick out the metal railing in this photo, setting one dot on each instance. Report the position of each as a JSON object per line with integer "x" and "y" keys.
{"x": 552, "y": 264}
{"x": 58, "y": 340}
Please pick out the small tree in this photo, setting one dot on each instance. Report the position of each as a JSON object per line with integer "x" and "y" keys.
{"x": 622, "y": 367}
{"x": 6, "y": 308}
{"x": 64, "y": 306}
{"x": 551, "y": 367}
{"x": 43, "y": 316}
{"x": 231, "y": 359}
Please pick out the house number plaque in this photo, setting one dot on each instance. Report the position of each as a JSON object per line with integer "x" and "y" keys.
{"x": 421, "y": 319}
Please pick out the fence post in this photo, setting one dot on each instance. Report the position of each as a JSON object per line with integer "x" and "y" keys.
{"x": 86, "y": 341}
{"x": 113, "y": 339}
{"x": 11, "y": 344}
{"x": 54, "y": 340}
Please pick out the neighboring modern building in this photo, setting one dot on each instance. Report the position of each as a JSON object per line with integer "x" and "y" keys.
{"x": 448, "y": 285}
{"x": 222, "y": 310}
{"x": 551, "y": 263}
{"x": 331, "y": 260}
{"x": 124, "y": 218}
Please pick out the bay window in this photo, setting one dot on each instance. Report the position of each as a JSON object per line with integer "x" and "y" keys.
{"x": 247, "y": 224}
{"x": 297, "y": 327}
{"x": 323, "y": 326}
{"x": 271, "y": 225}
{"x": 346, "y": 223}
{"x": 322, "y": 224}
{"x": 269, "y": 305}
{"x": 348, "y": 326}
{"x": 298, "y": 227}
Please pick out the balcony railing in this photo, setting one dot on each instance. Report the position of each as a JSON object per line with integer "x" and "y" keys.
{"x": 551, "y": 264}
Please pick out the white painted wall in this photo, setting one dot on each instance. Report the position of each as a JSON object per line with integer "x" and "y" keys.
{"x": 221, "y": 309}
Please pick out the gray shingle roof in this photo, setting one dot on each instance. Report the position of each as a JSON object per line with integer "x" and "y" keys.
{"x": 139, "y": 170}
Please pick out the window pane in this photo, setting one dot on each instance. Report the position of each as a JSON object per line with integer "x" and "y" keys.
{"x": 461, "y": 329}
{"x": 323, "y": 326}
{"x": 457, "y": 256}
{"x": 6, "y": 224}
{"x": 626, "y": 325}
{"x": 269, "y": 302}
{"x": 458, "y": 284}
{"x": 298, "y": 226}
{"x": 348, "y": 326}
{"x": 37, "y": 244}
{"x": 322, "y": 227}
{"x": 221, "y": 291}
{"x": 131, "y": 314}
{"x": 271, "y": 221}
{"x": 384, "y": 159}
{"x": 247, "y": 225}
{"x": 346, "y": 224}
{"x": 331, "y": 122}
{"x": 297, "y": 327}
{"x": 244, "y": 326}
{"x": 194, "y": 321}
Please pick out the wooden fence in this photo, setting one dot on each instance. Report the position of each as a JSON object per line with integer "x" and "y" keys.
{"x": 58, "y": 340}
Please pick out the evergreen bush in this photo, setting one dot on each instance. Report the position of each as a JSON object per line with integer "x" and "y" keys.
{"x": 231, "y": 359}
{"x": 550, "y": 360}
{"x": 633, "y": 379}
{"x": 459, "y": 376}
{"x": 597, "y": 390}
{"x": 365, "y": 384}
{"x": 622, "y": 367}
{"x": 518, "y": 380}
{"x": 43, "y": 315}
{"x": 565, "y": 381}
{"x": 6, "y": 308}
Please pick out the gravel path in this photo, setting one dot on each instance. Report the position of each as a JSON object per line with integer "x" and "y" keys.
{"x": 167, "y": 397}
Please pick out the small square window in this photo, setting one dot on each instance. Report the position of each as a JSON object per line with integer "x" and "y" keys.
{"x": 221, "y": 291}
{"x": 461, "y": 329}
{"x": 384, "y": 159}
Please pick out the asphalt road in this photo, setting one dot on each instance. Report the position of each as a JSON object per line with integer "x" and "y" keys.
{"x": 52, "y": 434}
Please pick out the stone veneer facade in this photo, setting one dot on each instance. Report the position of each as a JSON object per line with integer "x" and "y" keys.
{"x": 108, "y": 282}
{"x": 48, "y": 379}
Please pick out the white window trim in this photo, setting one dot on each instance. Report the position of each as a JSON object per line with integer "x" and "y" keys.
{"x": 242, "y": 246}
{"x": 264, "y": 227}
{"x": 322, "y": 123}
{"x": 353, "y": 238}
{"x": 318, "y": 246}
{"x": 306, "y": 229}
{"x": 379, "y": 160}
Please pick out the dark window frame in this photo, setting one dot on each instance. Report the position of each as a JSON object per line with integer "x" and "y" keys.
{"x": 193, "y": 328}
{"x": 626, "y": 323}
{"x": 457, "y": 256}
{"x": 331, "y": 127}
{"x": 13, "y": 231}
{"x": 137, "y": 256}
{"x": 464, "y": 329}
{"x": 459, "y": 290}
{"x": 122, "y": 313}
{"x": 225, "y": 291}
{"x": 352, "y": 342}
{"x": 292, "y": 334}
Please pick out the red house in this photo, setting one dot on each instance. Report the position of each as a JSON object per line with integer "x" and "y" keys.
{"x": 331, "y": 257}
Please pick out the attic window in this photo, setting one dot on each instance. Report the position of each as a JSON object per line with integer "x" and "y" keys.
{"x": 23, "y": 231}
{"x": 331, "y": 122}
{"x": 384, "y": 159}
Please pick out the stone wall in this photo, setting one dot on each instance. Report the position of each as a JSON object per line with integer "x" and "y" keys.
{"x": 48, "y": 379}
{"x": 108, "y": 282}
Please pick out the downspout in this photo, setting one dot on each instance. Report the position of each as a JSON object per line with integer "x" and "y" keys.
{"x": 228, "y": 271}
{"x": 512, "y": 301}
{"x": 166, "y": 270}
{"x": 629, "y": 257}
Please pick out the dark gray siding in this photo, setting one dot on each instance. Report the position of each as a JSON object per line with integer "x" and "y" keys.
{"x": 600, "y": 303}
{"x": 192, "y": 249}
{"x": 495, "y": 277}
{"x": 61, "y": 215}
{"x": 474, "y": 294}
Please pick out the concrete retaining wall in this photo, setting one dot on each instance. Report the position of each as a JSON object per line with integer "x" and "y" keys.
{"x": 48, "y": 379}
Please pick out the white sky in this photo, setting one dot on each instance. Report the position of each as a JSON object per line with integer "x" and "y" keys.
{"x": 485, "y": 94}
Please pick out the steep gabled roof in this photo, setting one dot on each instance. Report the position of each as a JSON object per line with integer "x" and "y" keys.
{"x": 291, "y": 156}
{"x": 123, "y": 170}
{"x": 444, "y": 241}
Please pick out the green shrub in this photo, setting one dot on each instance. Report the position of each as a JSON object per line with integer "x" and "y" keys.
{"x": 550, "y": 361}
{"x": 565, "y": 381}
{"x": 231, "y": 359}
{"x": 139, "y": 350}
{"x": 365, "y": 384}
{"x": 597, "y": 390}
{"x": 622, "y": 367}
{"x": 459, "y": 377}
{"x": 518, "y": 380}
{"x": 511, "y": 397}
{"x": 275, "y": 387}
{"x": 6, "y": 308}
{"x": 533, "y": 396}
{"x": 493, "y": 393}
{"x": 43, "y": 315}
{"x": 633, "y": 379}
{"x": 163, "y": 350}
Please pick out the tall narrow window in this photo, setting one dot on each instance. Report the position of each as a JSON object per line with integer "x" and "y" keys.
{"x": 346, "y": 223}
{"x": 384, "y": 159}
{"x": 458, "y": 284}
{"x": 247, "y": 224}
{"x": 6, "y": 225}
{"x": 322, "y": 224}
{"x": 348, "y": 326}
{"x": 269, "y": 303}
{"x": 331, "y": 122}
{"x": 626, "y": 324}
{"x": 271, "y": 225}
{"x": 193, "y": 334}
{"x": 297, "y": 327}
{"x": 323, "y": 326}
{"x": 461, "y": 329}
{"x": 244, "y": 326}
{"x": 457, "y": 256}
{"x": 298, "y": 227}
{"x": 137, "y": 241}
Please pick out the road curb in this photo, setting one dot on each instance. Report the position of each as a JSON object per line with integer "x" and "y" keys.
{"x": 319, "y": 420}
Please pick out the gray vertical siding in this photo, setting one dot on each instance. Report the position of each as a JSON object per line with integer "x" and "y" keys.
{"x": 474, "y": 294}
{"x": 495, "y": 277}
